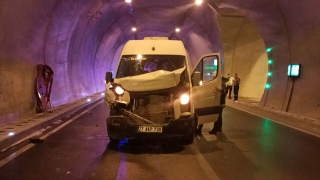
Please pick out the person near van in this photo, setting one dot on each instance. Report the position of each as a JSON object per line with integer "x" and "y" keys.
{"x": 236, "y": 85}
{"x": 218, "y": 124}
{"x": 229, "y": 85}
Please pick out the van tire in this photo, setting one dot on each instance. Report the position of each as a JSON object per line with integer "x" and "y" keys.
{"x": 188, "y": 139}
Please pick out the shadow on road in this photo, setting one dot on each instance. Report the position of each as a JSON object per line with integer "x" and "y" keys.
{"x": 147, "y": 146}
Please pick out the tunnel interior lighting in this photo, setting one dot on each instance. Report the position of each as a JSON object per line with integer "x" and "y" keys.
{"x": 269, "y": 73}
{"x": 134, "y": 29}
{"x": 269, "y": 49}
{"x": 102, "y": 94}
{"x": 177, "y": 29}
{"x": 270, "y": 61}
{"x": 268, "y": 86}
{"x": 128, "y": 1}
{"x": 198, "y": 2}
{"x": 10, "y": 133}
{"x": 88, "y": 100}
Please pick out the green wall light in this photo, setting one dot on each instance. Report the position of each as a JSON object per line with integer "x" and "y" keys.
{"x": 269, "y": 73}
{"x": 270, "y": 61}
{"x": 268, "y": 86}
{"x": 269, "y": 49}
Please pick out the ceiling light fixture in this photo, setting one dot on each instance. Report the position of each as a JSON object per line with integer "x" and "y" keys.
{"x": 177, "y": 29}
{"x": 128, "y": 1}
{"x": 134, "y": 29}
{"x": 198, "y": 2}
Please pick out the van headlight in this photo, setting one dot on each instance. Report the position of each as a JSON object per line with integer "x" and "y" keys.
{"x": 184, "y": 99}
{"x": 119, "y": 90}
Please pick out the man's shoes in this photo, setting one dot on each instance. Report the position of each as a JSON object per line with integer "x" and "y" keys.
{"x": 214, "y": 131}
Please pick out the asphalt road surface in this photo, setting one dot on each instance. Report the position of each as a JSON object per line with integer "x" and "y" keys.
{"x": 250, "y": 147}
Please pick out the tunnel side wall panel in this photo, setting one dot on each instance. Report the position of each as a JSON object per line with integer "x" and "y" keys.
{"x": 302, "y": 21}
{"x": 23, "y": 28}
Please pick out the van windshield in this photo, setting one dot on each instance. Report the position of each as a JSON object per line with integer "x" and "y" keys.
{"x": 133, "y": 65}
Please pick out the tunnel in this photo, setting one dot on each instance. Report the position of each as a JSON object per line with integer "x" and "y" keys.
{"x": 81, "y": 40}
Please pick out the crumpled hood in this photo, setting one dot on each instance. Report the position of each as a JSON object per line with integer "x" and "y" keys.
{"x": 151, "y": 81}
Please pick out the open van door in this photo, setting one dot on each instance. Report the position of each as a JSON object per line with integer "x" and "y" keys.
{"x": 206, "y": 86}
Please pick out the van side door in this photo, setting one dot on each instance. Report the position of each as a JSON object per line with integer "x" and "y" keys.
{"x": 206, "y": 86}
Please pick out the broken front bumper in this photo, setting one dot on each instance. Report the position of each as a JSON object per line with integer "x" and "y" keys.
{"x": 120, "y": 127}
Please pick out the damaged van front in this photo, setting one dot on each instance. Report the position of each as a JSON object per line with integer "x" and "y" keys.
{"x": 150, "y": 96}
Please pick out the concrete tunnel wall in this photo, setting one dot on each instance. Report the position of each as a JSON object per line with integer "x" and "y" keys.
{"x": 244, "y": 53}
{"x": 292, "y": 30}
{"x": 82, "y": 39}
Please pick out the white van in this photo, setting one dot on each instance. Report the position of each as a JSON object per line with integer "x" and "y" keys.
{"x": 153, "y": 95}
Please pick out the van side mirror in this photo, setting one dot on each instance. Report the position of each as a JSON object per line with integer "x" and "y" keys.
{"x": 108, "y": 77}
{"x": 196, "y": 78}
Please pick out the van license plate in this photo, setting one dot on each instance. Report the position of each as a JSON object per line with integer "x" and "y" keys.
{"x": 150, "y": 129}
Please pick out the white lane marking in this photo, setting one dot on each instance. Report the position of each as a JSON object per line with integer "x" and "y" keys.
{"x": 25, "y": 148}
{"x": 205, "y": 132}
{"x": 203, "y": 163}
{"x": 313, "y": 134}
{"x": 28, "y": 137}
{"x": 15, "y": 154}
{"x": 122, "y": 169}
{"x": 210, "y": 137}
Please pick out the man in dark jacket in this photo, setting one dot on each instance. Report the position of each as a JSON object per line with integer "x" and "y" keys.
{"x": 217, "y": 126}
{"x": 236, "y": 85}
{"x": 218, "y": 123}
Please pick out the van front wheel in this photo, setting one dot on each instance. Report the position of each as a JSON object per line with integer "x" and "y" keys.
{"x": 188, "y": 139}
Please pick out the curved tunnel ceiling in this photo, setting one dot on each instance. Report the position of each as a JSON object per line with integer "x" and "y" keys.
{"x": 82, "y": 40}
{"x": 91, "y": 33}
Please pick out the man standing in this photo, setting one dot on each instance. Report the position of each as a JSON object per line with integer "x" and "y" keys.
{"x": 217, "y": 126}
{"x": 236, "y": 85}
{"x": 229, "y": 85}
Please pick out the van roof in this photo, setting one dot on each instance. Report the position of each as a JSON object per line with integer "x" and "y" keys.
{"x": 156, "y": 38}
{"x": 154, "y": 46}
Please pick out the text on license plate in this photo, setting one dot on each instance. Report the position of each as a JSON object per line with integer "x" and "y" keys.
{"x": 151, "y": 129}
